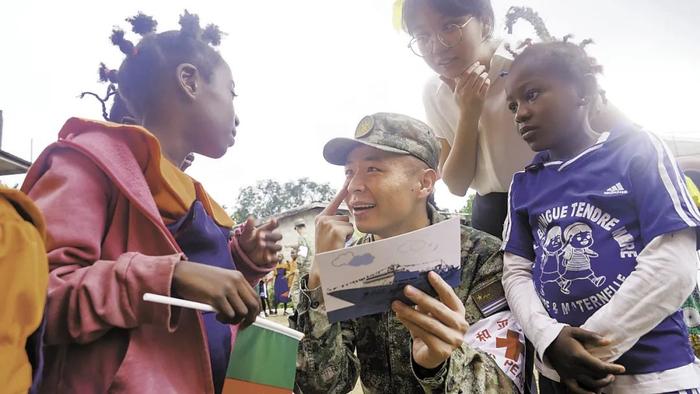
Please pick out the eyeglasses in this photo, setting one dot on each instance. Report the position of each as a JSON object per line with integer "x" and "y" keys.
{"x": 450, "y": 36}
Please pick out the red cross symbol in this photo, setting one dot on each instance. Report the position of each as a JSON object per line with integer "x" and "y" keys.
{"x": 512, "y": 344}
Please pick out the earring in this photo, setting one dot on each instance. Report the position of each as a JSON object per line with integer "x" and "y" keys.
{"x": 582, "y": 102}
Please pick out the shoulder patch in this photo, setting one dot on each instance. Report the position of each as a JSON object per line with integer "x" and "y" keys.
{"x": 490, "y": 298}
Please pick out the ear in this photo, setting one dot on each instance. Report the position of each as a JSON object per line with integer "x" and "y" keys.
{"x": 188, "y": 79}
{"x": 427, "y": 182}
{"x": 588, "y": 91}
{"x": 486, "y": 30}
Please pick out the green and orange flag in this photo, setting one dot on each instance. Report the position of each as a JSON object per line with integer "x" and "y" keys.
{"x": 263, "y": 360}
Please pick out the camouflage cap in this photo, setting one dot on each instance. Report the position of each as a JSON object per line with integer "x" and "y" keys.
{"x": 391, "y": 133}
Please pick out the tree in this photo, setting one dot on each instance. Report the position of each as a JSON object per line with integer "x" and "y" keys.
{"x": 269, "y": 197}
{"x": 467, "y": 208}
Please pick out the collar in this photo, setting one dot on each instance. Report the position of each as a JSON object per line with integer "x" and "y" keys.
{"x": 173, "y": 190}
{"x": 542, "y": 159}
{"x": 621, "y": 130}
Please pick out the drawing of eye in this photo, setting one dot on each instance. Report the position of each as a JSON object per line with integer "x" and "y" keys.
{"x": 691, "y": 316}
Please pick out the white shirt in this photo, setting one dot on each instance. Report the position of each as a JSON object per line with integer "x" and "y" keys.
{"x": 662, "y": 280}
{"x": 500, "y": 150}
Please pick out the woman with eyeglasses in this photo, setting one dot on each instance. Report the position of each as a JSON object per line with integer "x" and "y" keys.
{"x": 465, "y": 102}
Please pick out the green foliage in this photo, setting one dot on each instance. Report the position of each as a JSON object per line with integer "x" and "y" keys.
{"x": 467, "y": 208}
{"x": 269, "y": 197}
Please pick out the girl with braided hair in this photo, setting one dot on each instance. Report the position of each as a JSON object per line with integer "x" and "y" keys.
{"x": 123, "y": 220}
{"x": 631, "y": 233}
{"x": 119, "y": 113}
{"x": 465, "y": 101}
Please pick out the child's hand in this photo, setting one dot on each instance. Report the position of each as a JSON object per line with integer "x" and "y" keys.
{"x": 261, "y": 244}
{"x": 225, "y": 290}
{"x": 578, "y": 369}
{"x": 471, "y": 88}
{"x": 437, "y": 326}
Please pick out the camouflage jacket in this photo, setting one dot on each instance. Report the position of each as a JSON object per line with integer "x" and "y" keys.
{"x": 377, "y": 348}
{"x": 304, "y": 262}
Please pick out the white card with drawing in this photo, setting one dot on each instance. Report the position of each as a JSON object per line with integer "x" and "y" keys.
{"x": 365, "y": 279}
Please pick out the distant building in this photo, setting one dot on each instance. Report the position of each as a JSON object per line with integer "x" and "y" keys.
{"x": 12, "y": 165}
{"x": 9, "y": 163}
{"x": 685, "y": 146}
{"x": 306, "y": 212}
{"x": 687, "y": 151}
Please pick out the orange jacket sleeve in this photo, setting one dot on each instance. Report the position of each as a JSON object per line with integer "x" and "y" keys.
{"x": 23, "y": 282}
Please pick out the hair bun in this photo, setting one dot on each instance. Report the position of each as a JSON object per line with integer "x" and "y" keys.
{"x": 142, "y": 24}
{"x": 107, "y": 74}
{"x": 189, "y": 25}
{"x": 585, "y": 43}
{"x": 117, "y": 38}
{"x": 212, "y": 35}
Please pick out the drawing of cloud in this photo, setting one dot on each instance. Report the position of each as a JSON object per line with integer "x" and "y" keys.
{"x": 361, "y": 260}
{"x": 343, "y": 259}
{"x": 417, "y": 246}
{"x": 348, "y": 258}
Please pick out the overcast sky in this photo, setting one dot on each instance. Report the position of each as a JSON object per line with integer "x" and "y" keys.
{"x": 309, "y": 70}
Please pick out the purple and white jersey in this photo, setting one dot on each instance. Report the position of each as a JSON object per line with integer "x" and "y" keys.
{"x": 583, "y": 223}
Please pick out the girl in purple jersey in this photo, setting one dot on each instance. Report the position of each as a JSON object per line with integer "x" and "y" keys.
{"x": 613, "y": 324}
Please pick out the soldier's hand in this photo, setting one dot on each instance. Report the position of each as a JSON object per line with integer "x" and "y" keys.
{"x": 332, "y": 231}
{"x": 437, "y": 326}
{"x": 580, "y": 371}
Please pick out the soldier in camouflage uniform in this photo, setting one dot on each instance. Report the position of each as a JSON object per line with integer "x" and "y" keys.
{"x": 379, "y": 348}
{"x": 304, "y": 257}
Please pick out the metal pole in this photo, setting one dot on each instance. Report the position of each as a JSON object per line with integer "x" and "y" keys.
{"x": 0, "y": 128}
